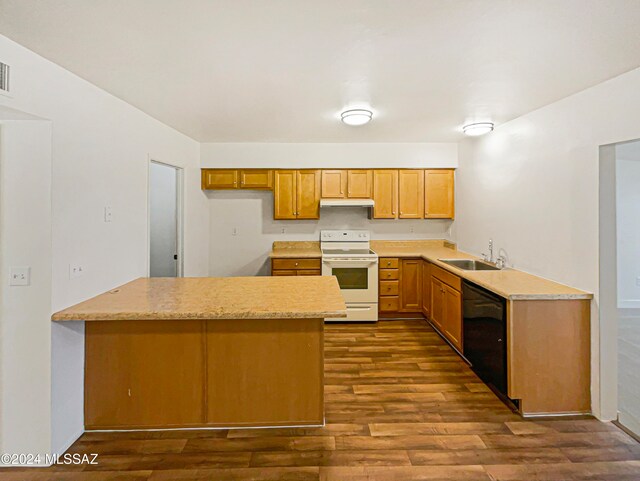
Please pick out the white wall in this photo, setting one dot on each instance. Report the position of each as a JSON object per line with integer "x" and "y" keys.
{"x": 628, "y": 230}
{"x": 251, "y": 213}
{"x": 328, "y": 156}
{"x": 532, "y": 186}
{"x": 25, "y": 331}
{"x": 101, "y": 149}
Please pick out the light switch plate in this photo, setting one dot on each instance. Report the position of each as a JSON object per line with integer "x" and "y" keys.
{"x": 108, "y": 214}
{"x": 20, "y": 276}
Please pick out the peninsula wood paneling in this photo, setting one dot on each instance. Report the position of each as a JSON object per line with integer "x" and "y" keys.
{"x": 144, "y": 374}
{"x": 549, "y": 376}
{"x": 276, "y": 363}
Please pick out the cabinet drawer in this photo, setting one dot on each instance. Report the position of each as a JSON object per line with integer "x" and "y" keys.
{"x": 389, "y": 304}
{"x": 388, "y": 288}
{"x": 296, "y": 263}
{"x": 309, "y": 272}
{"x": 284, "y": 272}
{"x": 389, "y": 263}
{"x": 388, "y": 274}
{"x": 446, "y": 277}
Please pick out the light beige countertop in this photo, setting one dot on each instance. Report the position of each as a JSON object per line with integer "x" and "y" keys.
{"x": 301, "y": 249}
{"x": 214, "y": 298}
{"x": 509, "y": 283}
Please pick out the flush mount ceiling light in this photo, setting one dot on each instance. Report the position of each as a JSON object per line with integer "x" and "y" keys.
{"x": 478, "y": 128}
{"x": 356, "y": 116}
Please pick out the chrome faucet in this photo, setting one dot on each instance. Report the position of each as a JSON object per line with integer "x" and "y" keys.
{"x": 489, "y": 257}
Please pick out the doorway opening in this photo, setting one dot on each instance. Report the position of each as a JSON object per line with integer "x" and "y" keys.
{"x": 165, "y": 220}
{"x": 620, "y": 281}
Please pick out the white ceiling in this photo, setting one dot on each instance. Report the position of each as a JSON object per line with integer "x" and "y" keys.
{"x": 281, "y": 70}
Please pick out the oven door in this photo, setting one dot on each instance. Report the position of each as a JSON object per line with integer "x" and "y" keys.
{"x": 358, "y": 278}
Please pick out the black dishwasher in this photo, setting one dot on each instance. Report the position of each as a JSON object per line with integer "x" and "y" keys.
{"x": 485, "y": 336}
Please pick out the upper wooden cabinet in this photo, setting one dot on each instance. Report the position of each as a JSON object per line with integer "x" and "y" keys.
{"x": 253, "y": 179}
{"x": 256, "y": 179}
{"x": 411, "y": 194}
{"x": 385, "y": 194}
{"x": 284, "y": 194}
{"x": 438, "y": 194}
{"x": 397, "y": 193}
{"x": 308, "y": 194}
{"x": 334, "y": 184}
{"x": 352, "y": 184}
{"x": 359, "y": 184}
{"x": 219, "y": 179}
{"x": 296, "y": 194}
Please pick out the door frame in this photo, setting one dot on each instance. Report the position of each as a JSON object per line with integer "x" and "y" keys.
{"x": 179, "y": 213}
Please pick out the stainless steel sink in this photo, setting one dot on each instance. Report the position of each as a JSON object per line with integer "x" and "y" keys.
{"x": 470, "y": 265}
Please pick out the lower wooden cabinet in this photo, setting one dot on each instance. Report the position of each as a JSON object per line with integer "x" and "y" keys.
{"x": 426, "y": 289}
{"x": 446, "y": 307}
{"x": 452, "y": 316}
{"x": 400, "y": 285}
{"x": 411, "y": 285}
{"x": 296, "y": 267}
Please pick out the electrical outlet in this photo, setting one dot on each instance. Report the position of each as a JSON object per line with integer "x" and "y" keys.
{"x": 108, "y": 214}
{"x": 20, "y": 276}
{"x": 234, "y": 231}
{"x": 283, "y": 230}
{"x": 75, "y": 270}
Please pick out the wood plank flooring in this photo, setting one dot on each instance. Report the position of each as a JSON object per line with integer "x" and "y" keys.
{"x": 400, "y": 405}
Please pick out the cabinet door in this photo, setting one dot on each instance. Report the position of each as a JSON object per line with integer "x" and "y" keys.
{"x": 284, "y": 196}
{"x": 334, "y": 184}
{"x": 411, "y": 194}
{"x": 438, "y": 194}
{"x": 308, "y": 194}
{"x": 385, "y": 194}
{"x": 359, "y": 184}
{"x": 219, "y": 179}
{"x": 452, "y": 316}
{"x": 256, "y": 179}
{"x": 411, "y": 285}
{"x": 426, "y": 289}
{"x": 437, "y": 302}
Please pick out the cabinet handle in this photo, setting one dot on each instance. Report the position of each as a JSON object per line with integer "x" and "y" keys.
{"x": 296, "y": 264}
{"x": 389, "y": 263}
{"x": 400, "y": 212}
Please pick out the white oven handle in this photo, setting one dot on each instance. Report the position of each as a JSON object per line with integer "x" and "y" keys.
{"x": 350, "y": 261}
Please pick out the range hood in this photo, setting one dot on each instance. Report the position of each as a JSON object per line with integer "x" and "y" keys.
{"x": 346, "y": 202}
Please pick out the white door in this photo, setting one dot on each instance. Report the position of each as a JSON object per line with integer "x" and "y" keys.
{"x": 164, "y": 221}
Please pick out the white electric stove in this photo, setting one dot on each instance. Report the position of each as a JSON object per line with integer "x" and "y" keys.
{"x": 347, "y": 255}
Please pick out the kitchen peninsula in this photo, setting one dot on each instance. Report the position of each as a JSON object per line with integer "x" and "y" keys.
{"x": 206, "y": 352}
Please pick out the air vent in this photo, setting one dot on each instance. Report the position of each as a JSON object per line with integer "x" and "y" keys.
{"x": 4, "y": 77}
